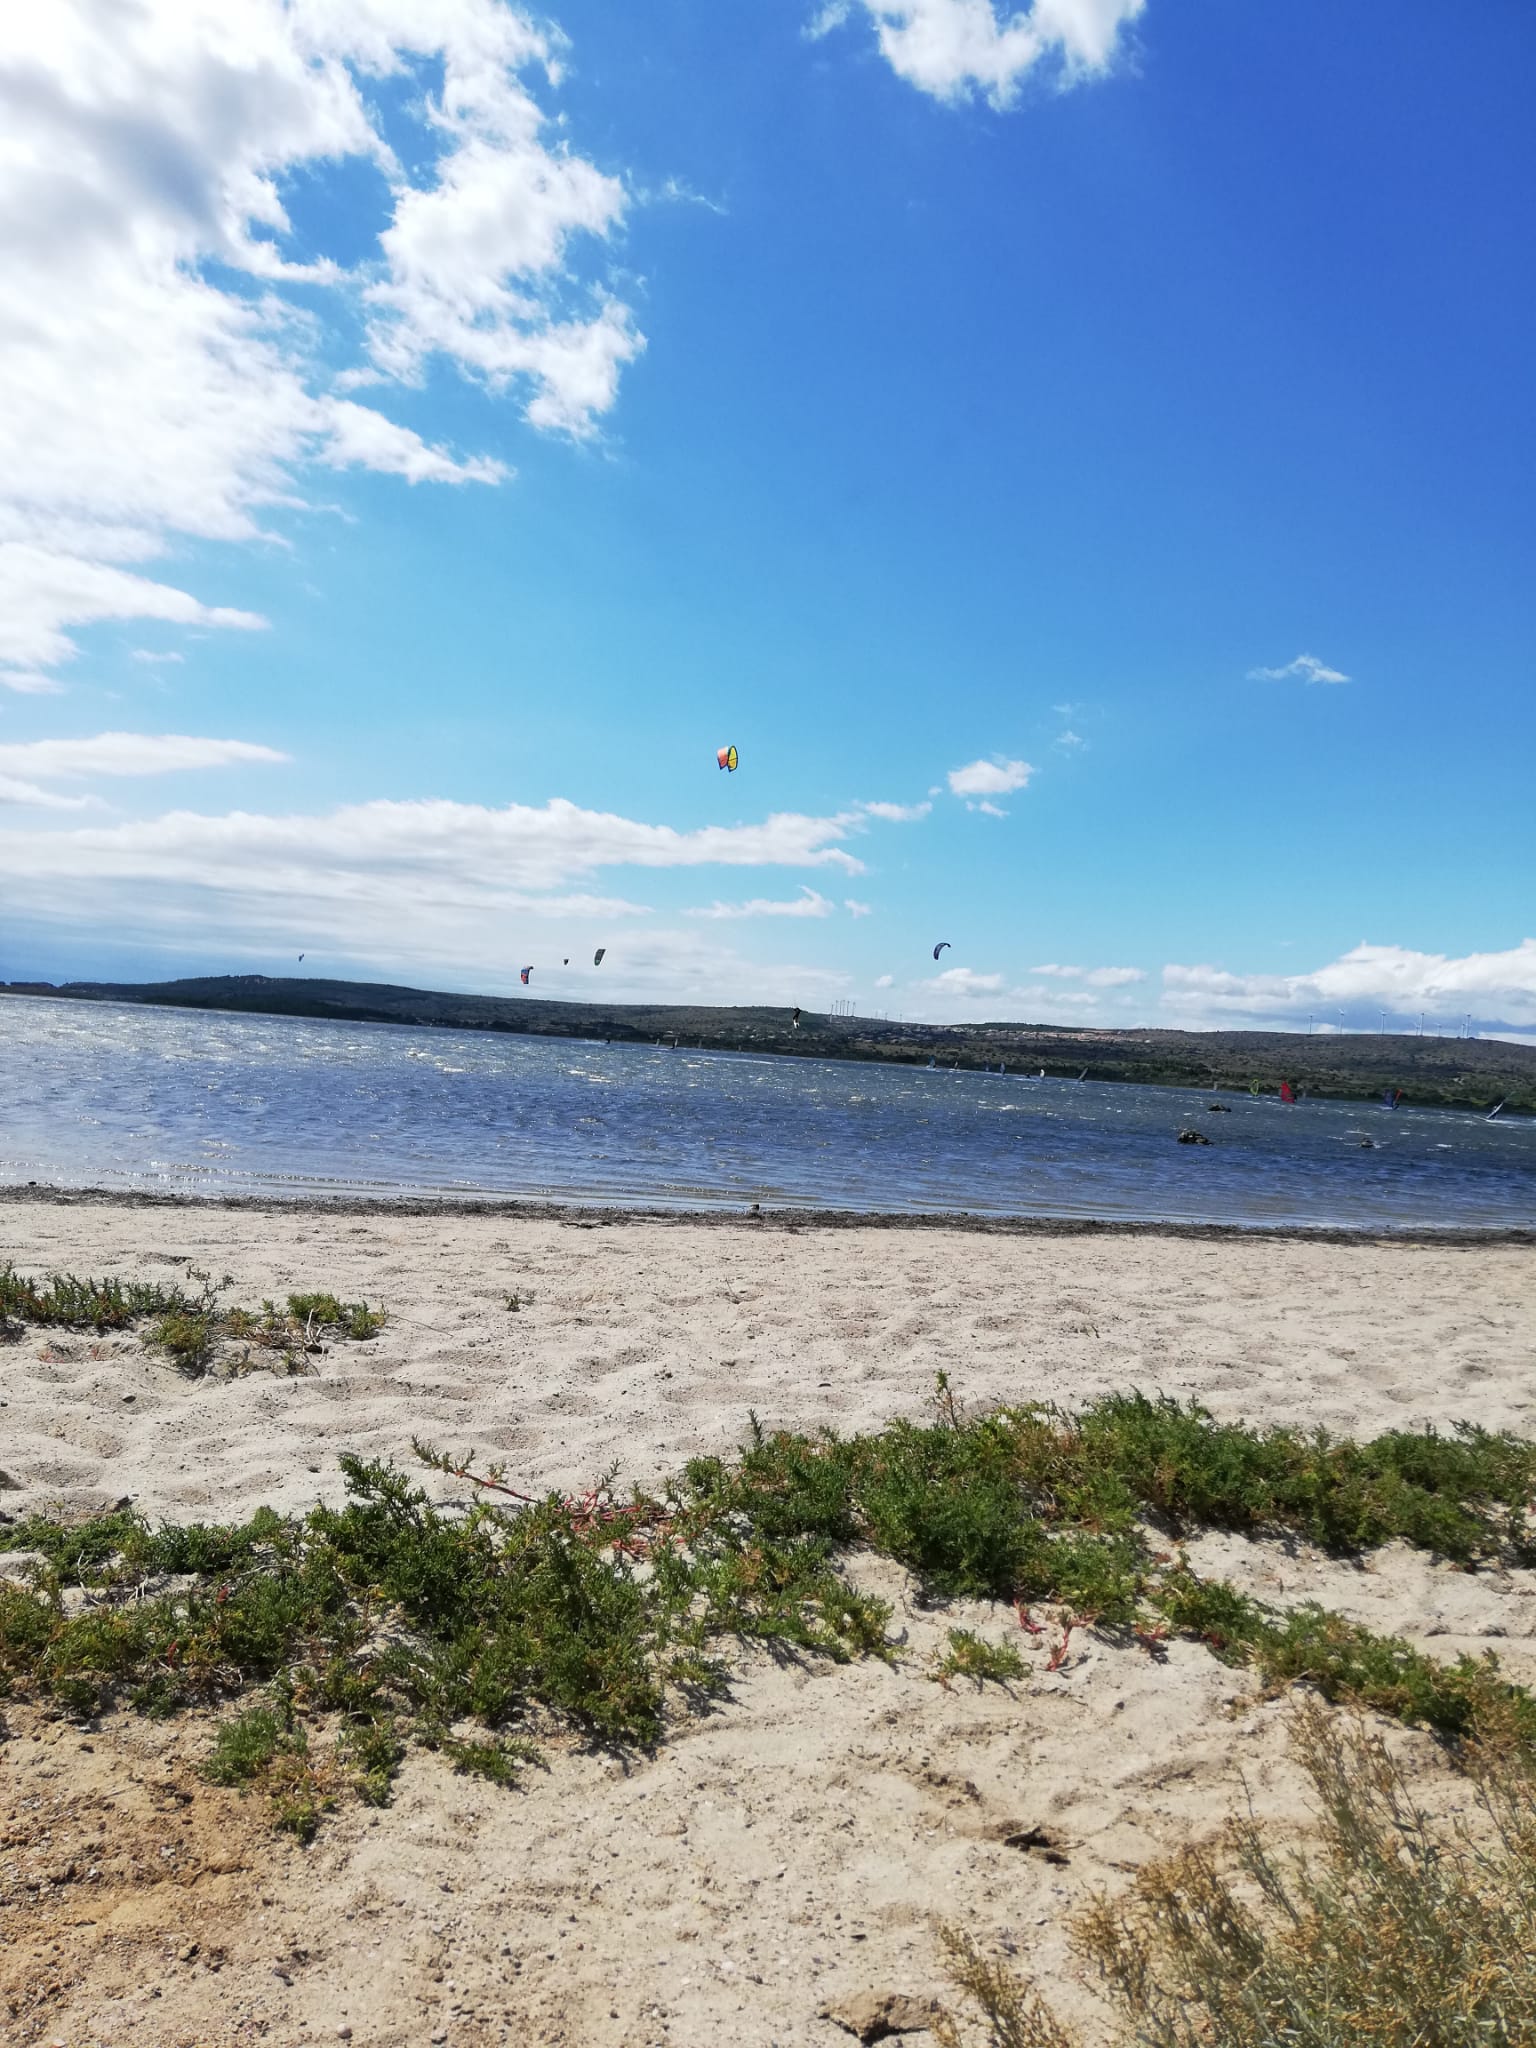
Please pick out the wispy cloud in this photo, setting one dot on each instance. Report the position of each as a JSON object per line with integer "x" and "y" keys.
{"x": 807, "y": 904}
{"x": 1070, "y": 739}
{"x": 130, "y": 753}
{"x": 1094, "y": 977}
{"x": 897, "y": 814}
{"x": 856, "y": 909}
{"x": 151, "y": 656}
{"x": 955, "y": 49}
{"x": 1305, "y": 668}
{"x": 13, "y": 791}
{"x": 827, "y": 18}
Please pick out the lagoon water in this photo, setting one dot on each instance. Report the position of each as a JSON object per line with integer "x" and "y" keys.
{"x": 116, "y": 1096}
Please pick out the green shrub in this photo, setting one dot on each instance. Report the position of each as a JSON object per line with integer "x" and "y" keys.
{"x": 972, "y": 1656}
{"x": 392, "y": 1621}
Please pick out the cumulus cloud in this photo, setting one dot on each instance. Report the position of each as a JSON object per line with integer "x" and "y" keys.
{"x": 1499, "y": 988}
{"x": 997, "y": 777}
{"x": 164, "y": 381}
{"x": 809, "y": 903}
{"x": 963, "y": 981}
{"x": 1306, "y": 668}
{"x": 955, "y": 49}
{"x": 885, "y": 981}
{"x": 129, "y": 753}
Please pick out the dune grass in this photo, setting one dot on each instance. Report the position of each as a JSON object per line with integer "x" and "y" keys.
{"x": 350, "y": 1633}
{"x": 1392, "y": 1929}
{"x": 188, "y": 1329}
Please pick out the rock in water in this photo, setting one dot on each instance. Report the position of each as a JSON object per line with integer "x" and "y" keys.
{"x": 1193, "y": 1138}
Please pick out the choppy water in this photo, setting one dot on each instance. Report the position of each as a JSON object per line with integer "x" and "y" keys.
{"x": 99, "y": 1095}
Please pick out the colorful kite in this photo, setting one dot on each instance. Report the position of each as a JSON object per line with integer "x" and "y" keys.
{"x": 726, "y": 756}
{"x": 523, "y": 974}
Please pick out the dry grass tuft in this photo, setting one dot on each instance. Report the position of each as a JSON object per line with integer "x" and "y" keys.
{"x": 1394, "y": 1930}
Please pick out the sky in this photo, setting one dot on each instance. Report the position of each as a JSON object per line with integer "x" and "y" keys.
{"x": 1081, "y": 458}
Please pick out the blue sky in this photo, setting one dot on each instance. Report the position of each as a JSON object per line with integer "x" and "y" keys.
{"x": 1081, "y": 458}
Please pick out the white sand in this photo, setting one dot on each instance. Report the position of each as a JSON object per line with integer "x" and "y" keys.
{"x": 803, "y": 1843}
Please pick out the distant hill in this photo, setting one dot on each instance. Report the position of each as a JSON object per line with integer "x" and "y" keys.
{"x": 1471, "y": 1073}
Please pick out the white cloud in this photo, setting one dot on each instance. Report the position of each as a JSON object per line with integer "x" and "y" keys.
{"x": 885, "y": 981}
{"x": 149, "y": 656}
{"x": 897, "y": 814}
{"x": 1070, "y": 739}
{"x": 988, "y": 808}
{"x": 963, "y": 981}
{"x": 1500, "y": 987}
{"x": 28, "y": 682}
{"x": 1094, "y": 977}
{"x": 162, "y": 380}
{"x": 1305, "y": 666}
{"x": 43, "y": 589}
{"x": 129, "y": 753}
{"x": 831, "y": 16}
{"x": 807, "y": 904}
{"x": 997, "y": 777}
{"x": 954, "y": 49}
{"x": 420, "y": 887}
{"x": 857, "y": 909}
{"x": 429, "y": 882}
{"x": 14, "y": 792}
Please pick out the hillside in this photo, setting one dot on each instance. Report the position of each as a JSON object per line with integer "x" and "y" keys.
{"x": 1473, "y": 1073}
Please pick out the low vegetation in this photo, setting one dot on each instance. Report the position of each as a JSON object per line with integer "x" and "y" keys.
{"x": 191, "y": 1330}
{"x": 349, "y": 1634}
{"x": 1395, "y": 1930}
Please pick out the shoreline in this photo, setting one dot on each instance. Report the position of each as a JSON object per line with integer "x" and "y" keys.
{"x": 786, "y": 1218}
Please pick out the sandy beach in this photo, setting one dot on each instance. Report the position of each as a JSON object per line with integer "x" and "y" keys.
{"x": 801, "y": 1845}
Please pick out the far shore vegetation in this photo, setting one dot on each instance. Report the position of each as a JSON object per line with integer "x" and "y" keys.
{"x": 1433, "y": 1069}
